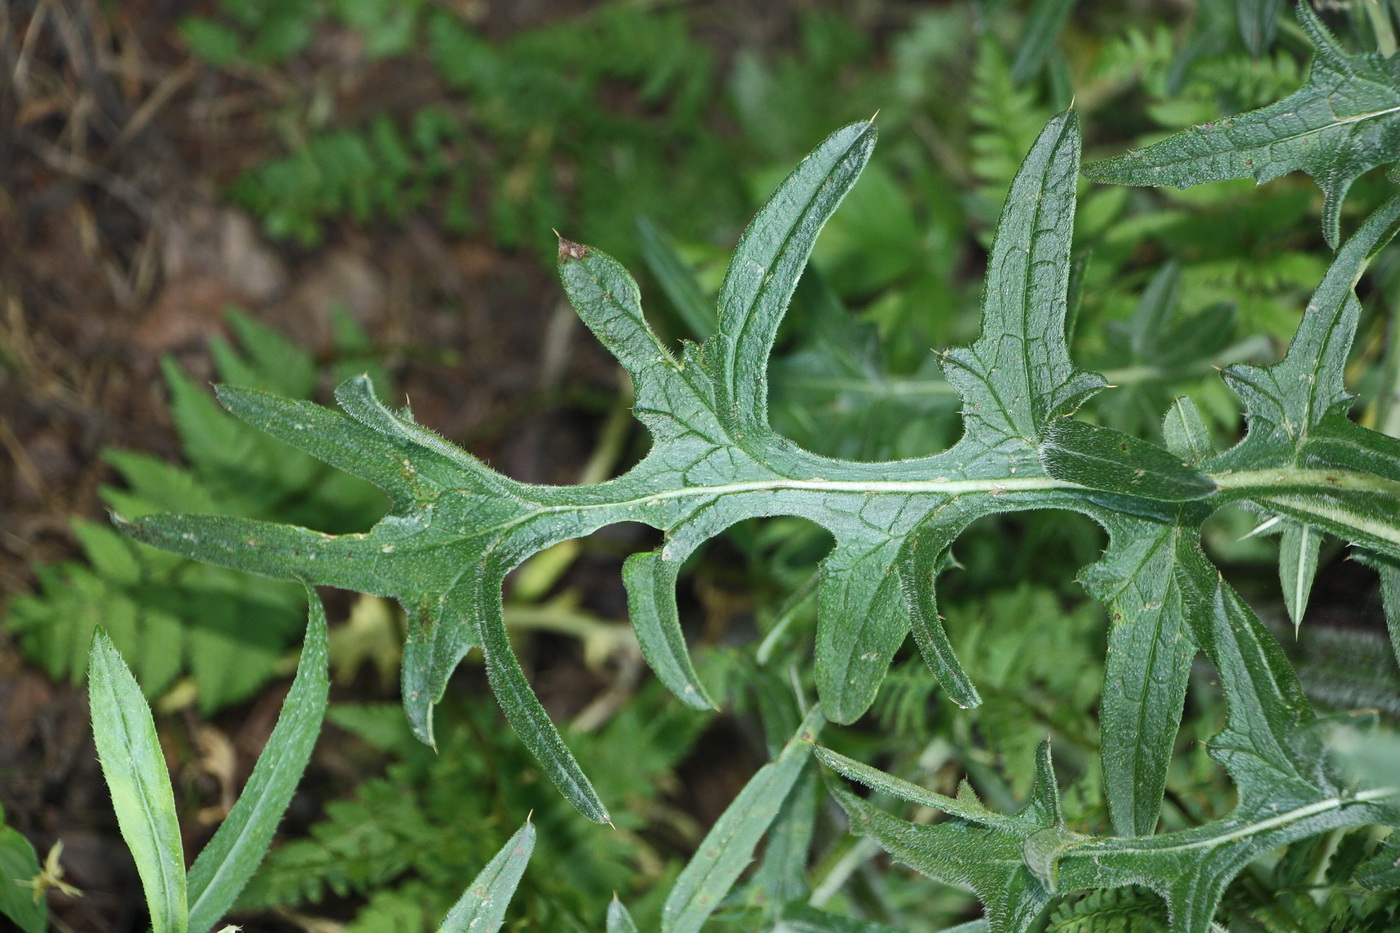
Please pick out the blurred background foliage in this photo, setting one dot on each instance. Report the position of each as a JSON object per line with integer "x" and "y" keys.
{"x": 649, "y": 129}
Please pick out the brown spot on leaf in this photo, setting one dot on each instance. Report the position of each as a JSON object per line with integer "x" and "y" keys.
{"x": 568, "y": 249}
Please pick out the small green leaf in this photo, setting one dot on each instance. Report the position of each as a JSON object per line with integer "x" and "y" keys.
{"x": 482, "y": 907}
{"x": 134, "y": 766}
{"x": 525, "y": 713}
{"x": 619, "y": 920}
{"x": 875, "y": 779}
{"x": 728, "y": 846}
{"x": 19, "y": 867}
{"x": 981, "y": 851}
{"x": 231, "y": 857}
{"x": 328, "y": 436}
{"x": 1297, "y": 565}
{"x": 1344, "y": 121}
{"x": 611, "y": 306}
{"x": 1185, "y": 431}
{"x": 1017, "y": 377}
{"x": 1102, "y": 458}
{"x": 919, "y": 560}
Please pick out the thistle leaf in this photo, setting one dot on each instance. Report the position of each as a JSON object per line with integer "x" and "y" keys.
{"x": 1270, "y": 746}
{"x": 456, "y": 528}
{"x": 1344, "y": 121}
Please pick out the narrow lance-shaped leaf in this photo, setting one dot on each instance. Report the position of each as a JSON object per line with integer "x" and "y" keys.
{"x": 619, "y": 920}
{"x": 482, "y": 906}
{"x": 1006, "y": 863}
{"x": 1297, "y": 566}
{"x": 728, "y": 846}
{"x": 524, "y": 711}
{"x": 651, "y": 600}
{"x": 1102, "y": 458}
{"x": 134, "y": 766}
{"x": 1342, "y": 122}
{"x": 236, "y": 850}
{"x": 781, "y": 875}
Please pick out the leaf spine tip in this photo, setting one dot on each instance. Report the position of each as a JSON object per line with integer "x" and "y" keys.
{"x": 568, "y": 249}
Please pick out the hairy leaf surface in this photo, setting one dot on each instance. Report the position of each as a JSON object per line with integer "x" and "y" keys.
{"x": 1344, "y": 121}
{"x": 236, "y": 850}
{"x": 482, "y": 906}
{"x": 134, "y": 767}
{"x": 1270, "y": 746}
{"x": 457, "y": 528}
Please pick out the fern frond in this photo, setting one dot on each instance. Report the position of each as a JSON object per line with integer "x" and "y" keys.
{"x": 1116, "y": 910}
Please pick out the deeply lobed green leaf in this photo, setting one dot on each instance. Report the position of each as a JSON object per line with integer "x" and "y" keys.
{"x": 1270, "y": 746}
{"x": 1344, "y": 121}
{"x": 457, "y": 528}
